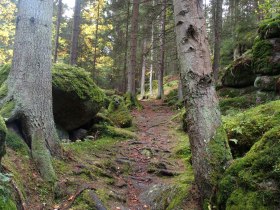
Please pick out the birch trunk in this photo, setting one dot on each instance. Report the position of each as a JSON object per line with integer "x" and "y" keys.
{"x": 57, "y": 30}
{"x": 29, "y": 82}
{"x": 75, "y": 33}
{"x": 162, "y": 52}
{"x": 131, "y": 89}
{"x": 209, "y": 146}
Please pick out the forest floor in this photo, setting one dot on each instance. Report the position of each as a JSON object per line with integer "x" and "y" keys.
{"x": 150, "y": 172}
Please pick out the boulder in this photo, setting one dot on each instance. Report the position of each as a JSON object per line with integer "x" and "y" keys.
{"x": 76, "y": 98}
{"x": 270, "y": 28}
{"x": 266, "y": 83}
{"x": 266, "y": 56}
{"x": 239, "y": 74}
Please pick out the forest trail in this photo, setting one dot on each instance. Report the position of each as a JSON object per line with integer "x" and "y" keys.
{"x": 152, "y": 157}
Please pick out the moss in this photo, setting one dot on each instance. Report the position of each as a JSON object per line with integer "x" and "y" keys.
{"x": 253, "y": 182}
{"x": 4, "y": 72}
{"x": 3, "y": 133}
{"x": 3, "y": 90}
{"x": 42, "y": 157}
{"x": 7, "y": 204}
{"x": 74, "y": 79}
{"x": 16, "y": 143}
{"x": 262, "y": 51}
{"x": 131, "y": 101}
{"x": 118, "y": 113}
{"x": 247, "y": 127}
{"x": 237, "y": 103}
{"x": 270, "y": 28}
{"x": 118, "y": 132}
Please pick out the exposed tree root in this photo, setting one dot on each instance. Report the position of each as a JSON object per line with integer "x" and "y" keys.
{"x": 69, "y": 202}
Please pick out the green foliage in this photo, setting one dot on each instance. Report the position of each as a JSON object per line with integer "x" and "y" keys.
{"x": 74, "y": 79}
{"x": 4, "y": 72}
{"x": 6, "y": 203}
{"x": 131, "y": 101}
{"x": 252, "y": 182}
{"x": 115, "y": 132}
{"x": 247, "y": 127}
{"x": 3, "y": 133}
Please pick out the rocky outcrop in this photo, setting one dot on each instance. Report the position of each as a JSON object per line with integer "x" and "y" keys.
{"x": 239, "y": 74}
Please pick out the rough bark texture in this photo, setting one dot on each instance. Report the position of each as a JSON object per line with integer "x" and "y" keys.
{"x": 162, "y": 52}
{"x": 218, "y": 23}
{"x": 75, "y": 33}
{"x": 29, "y": 82}
{"x": 57, "y": 30}
{"x": 133, "y": 50}
{"x": 210, "y": 151}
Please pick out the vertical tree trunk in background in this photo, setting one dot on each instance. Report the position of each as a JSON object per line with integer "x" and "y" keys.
{"x": 30, "y": 82}
{"x": 162, "y": 51}
{"x": 126, "y": 46}
{"x": 75, "y": 33}
{"x": 218, "y": 23}
{"x": 209, "y": 146}
{"x": 57, "y": 30}
{"x": 152, "y": 57}
{"x": 143, "y": 73}
{"x": 133, "y": 50}
{"x": 94, "y": 72}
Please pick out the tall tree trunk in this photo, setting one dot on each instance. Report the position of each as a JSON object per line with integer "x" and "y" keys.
{"x": 143, "y": 73}
{"x": 75, "y": 33}
{"x": 131, "y": 89}
{"x": 57, "y": 30}
{"x": 152, "y": 57}
{"x": 162, "y": 52}
{"x": 94, "y": 72}
{"x": 218, "y": 23}
{"x": 126, "y": 46}
{"x": 30, "y": 82}
{"x": 209, "y": 146}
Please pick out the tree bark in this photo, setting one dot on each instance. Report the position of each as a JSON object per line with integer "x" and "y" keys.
{"x": 94, "y": 72}
{"x": 131, "y": 89}
{"x": 152, "y": 58}
{"x": 162, "y": 52}
{"x": 75, "y": 33}
{"x": 30, "y": 82}
{"x": 57, "y": 30}
{"x": 218, "y": 24}
{"x": 209, "y": 146}
{"x": 143, "y": 73}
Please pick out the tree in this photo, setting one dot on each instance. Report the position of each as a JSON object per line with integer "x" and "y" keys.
{"x": 209, "y": 146}
{"x": 143, "y": 72}
{"x": 57, "y": 30}
{"x": 131, "y": 89}
{"x": 29, "y": 82}
{"x": 162, "y": 52}
{"x": 75, "y": 33}
{"x": 218, "y": 23}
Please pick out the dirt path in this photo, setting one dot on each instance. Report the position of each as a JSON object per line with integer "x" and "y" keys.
{"x": 150, "y": 156}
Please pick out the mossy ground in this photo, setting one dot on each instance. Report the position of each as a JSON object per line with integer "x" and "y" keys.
{"x": 252, "y": 182}
{"x": 244, "y": 129}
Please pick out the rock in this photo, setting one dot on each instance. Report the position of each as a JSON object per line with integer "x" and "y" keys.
{"x": 266, "y": 83}
{"x": 277, "y": 87}
{"x": 78, "y": 134}
{"x": 270, "y": 28}
{"x": 239, "y": 74}
{"x": 76, "y": 99}
{"x": 118, "y": 113}
{"x": 62, "y": 134}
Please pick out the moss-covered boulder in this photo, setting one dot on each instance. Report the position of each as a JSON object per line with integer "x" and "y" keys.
{"x": 246, "y": 128}
{"x": 266, "y": 83}
{"x": 270, "y": 28}
{"x": 76, "y": 98}
{"x": 239, "y": 74}
{"x": 266, "y": 57}
{"x": 253, "y": 182}
{"x": 118, "y": 112}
